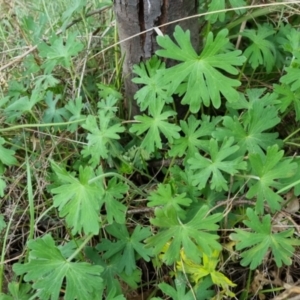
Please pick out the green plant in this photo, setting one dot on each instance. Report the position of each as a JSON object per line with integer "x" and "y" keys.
{"x": 158, "y": 191}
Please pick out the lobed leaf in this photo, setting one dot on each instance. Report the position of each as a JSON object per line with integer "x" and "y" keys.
{"x": 203, "y": 74}
{"x": 51, "y": 272}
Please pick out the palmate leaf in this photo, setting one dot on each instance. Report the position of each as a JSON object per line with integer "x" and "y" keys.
{"x": 127, "y": 246}
{"x": 109, "y": 104}
{"x": 290, "y": 39}
{"x": 182, "y": 179}
{"x": 102, "y": 137}
{"x": 59, "y": 52}
{"x": 211, "y": 167}
{"x": 77, "y": 200}
{"x": 292, "y": 76}
{"x": 191, "y": 142}
{"x": 111, "y": 197}
{"x": 262, "y": 51}
{"x": 18, "y": 291}
{"x": 111, "y": 275}
{"x": 154, "y": 90}
{"x": 288, "y": 98}
{"x": 54, "y": 114}
{"x": 207, "y": 268}
{"x": 179, "y": 292}
{"x": 164, "y": 196}
{"x": 266, "y": 170}
{"x": 189, "y": 236}
{"x": 74, "y": 107}
{"x": 6, "y": 155}
{"x": 202, "y": 73}
{"x": 24, "y": 104}
{"x": 51, "y": 272}
{"x": 248, "y": 130}
{"x": 218, "y": 6}
{"x": 252, "y": 97}
{"x": 110, "y": 94}
{"x": 154, "y": 126}
{"x": 261, "y": 239}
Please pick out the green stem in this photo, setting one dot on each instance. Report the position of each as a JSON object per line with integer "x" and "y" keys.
{"x": 168, "y": 171}
{"x": 286, "y": 188}
{"x": 5, "y": 238}
{"x": 292, "y": 134}
{"x": 252, "y": 15}
{"x": 112, "y": 174}
{"x": 78, "y": 250}
{"x": 30, "y": 200}
{"x": 39, "y": 125}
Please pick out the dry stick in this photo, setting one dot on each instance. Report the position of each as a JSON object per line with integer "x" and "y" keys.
{"x": 150, "y": 29}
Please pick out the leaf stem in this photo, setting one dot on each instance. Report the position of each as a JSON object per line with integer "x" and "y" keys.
{"x": 39, "y": 125}
{"x": 112, "y": 174}
{"x": 88, "y": 238}
{"x": 30, "y": 200}
{"x": 291, "y": 135}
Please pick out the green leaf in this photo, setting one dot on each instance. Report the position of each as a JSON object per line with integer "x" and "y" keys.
{"x": 154, "y": 90}
{"x": 74, "y": 6}
{"x": 189, "y": 236}
{"x": 213, "y": 6}
{"x": 207, "y": 168}
{"x": 266, "y": 170}
{"x": 262, "y": 51}
{"x": 108, "y": 105}
{"x": 248, "y": 130}
{"x": 253, "y": 97}
{"x": 182, "y": 179}
{"x": 112, "y": 277}
{"x": 154, "y": 126}
{"x": 46, "y": 81}
{"x": 178, "y": 292}
{"x": 203, "y": 74}
{"x": 2, "y": 223}
{"x": 6, "y": 155}
{"x": 127, "y": 246}
{"x": 77, "y": 200}
{"x": 102, "y": 137}
{"x": 112, "y": 296}
{"x": 51, "y": 272}
{"x": 288, "y": 99}
{"x": 218, "y": 6}
{"x": 190, "y": 143}
{"x": 207, "y": 268}
{"x": 17, "y": 291}
{"x": 59, "y": 52}
{"x": 2, "y": 185}
{"x": 292, "y": 76}
{"x": 112, "y": 193}
{"x": 23, "y": 104}
{"x": 74, "y": 107}
{"x": 292, "y": 39}
{"x": 164, "y": 196}
{"x": 54, "y": 114}
{"x": 107, "y": 91}
{"x": 260, "y": 240}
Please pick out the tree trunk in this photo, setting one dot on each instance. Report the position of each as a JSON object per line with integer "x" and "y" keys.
{"x": 134, "y": 16}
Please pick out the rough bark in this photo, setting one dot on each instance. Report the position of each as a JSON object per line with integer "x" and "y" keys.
{"x": 134, "y": 16}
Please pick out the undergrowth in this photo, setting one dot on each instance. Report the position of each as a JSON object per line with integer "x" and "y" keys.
{"x": 98, "y": 206}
